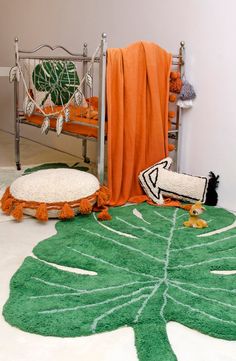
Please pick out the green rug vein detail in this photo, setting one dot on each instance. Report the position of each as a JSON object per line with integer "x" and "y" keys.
{"x": 149, "y": 270}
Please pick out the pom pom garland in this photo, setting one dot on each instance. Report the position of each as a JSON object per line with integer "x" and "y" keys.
{"x": 172, "y": 98}
{"x": 175, "y": 82}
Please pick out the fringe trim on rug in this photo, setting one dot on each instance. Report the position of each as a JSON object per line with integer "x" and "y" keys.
{"x": 66, "y": 210}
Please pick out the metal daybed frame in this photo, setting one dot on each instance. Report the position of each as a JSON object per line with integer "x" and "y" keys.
{"x": 20, "y": 118}
{"x": 78, "y": 58}
{"x": 178, "y": 61}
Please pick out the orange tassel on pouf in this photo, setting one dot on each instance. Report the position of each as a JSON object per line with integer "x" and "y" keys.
{"x": 105, "y": 190}
{"x": 17, "y": 213}
{"x": 85, "y": 206}
{"x": 103, "y": 196}
{"x": 101, "y": 199}
{"x": 104, "y": 215}
{"x": 5, "y": 196}
{"x": 66, "y": 212}
{"x": 7, "y": 206}
{"x": 42, "y": 212}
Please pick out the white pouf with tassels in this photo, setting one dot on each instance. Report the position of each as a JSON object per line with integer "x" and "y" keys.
{"x": 54, "y": 193}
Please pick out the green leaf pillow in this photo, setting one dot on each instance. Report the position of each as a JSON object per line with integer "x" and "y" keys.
{"x": 57, "y": 78}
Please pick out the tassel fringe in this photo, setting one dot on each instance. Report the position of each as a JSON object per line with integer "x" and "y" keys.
{"x": 15, "y": 207}
{"x": 17, "y": 212}
{"x": 85, "y": 206}
{"x": 42, "y": 212}
{"x": 103, "y": 196}
{"x": 7, "y": 206}
{"x": 5, "y": 196}
{"x": 104, "y": 215}
{"x": 66, "y": 212}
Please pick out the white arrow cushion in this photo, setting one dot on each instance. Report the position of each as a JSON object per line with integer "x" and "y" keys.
{"x": 157, "y": 181}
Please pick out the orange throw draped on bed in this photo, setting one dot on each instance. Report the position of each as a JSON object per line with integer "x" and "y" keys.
{"x": 137, "y": 104}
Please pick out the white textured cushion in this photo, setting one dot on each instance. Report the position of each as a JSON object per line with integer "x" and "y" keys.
{"x": 157, "y": 181}
{"x": 54, "y": 185}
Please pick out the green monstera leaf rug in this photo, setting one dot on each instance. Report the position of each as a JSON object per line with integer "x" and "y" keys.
{"x": 149, "y": 270}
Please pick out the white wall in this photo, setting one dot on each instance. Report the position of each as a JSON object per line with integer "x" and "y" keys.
{"x": 208, "y": 28}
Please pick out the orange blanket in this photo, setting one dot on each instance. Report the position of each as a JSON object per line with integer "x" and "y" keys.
{"x": 137, "y": 102}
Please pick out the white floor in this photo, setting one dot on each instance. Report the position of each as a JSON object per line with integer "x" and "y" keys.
{"x": 17, "y": 241}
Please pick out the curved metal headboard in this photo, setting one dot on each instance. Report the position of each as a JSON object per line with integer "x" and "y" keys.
{"x": 49, "y": 47}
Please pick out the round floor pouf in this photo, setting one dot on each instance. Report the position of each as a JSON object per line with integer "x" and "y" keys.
{"x": 55, "y": 193}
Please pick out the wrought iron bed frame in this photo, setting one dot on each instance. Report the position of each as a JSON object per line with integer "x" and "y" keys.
{"x": 177, "y": 61}
{"x": 84, "y": 59}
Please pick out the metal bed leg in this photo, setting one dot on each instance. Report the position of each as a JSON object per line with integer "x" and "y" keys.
{"x": 101, "y": 111}
{"x": 17, "y": 122}
{"x": 85, "y": 67}
{"x": 84, "y": 151}
{"x": 17, "y": 145}
{"x": 179, "y": 110}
